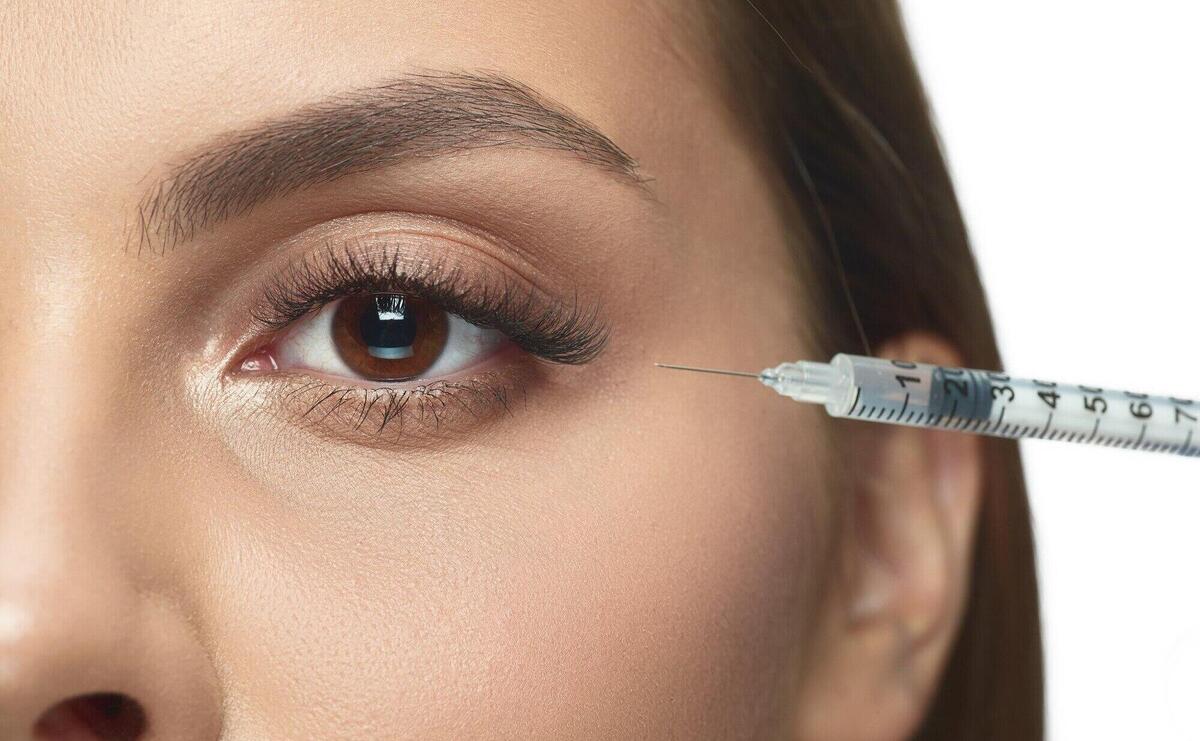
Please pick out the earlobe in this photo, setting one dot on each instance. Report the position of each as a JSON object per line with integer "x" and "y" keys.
{"x": 896, "y": 602}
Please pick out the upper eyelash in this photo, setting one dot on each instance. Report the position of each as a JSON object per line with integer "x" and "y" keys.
{"x": 570, "y": 334}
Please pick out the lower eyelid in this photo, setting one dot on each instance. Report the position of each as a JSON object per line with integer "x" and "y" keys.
{"x": 390, "y": 416}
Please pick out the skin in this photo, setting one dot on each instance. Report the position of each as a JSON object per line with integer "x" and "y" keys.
{"x": 627, "y": 553}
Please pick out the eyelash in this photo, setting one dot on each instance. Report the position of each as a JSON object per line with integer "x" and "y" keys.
{"x": 552, "y": 331}
{"x": 555, "y": 332}
{"x": 390, "y": 407}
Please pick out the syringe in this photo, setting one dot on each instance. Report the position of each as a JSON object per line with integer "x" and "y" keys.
{"x": 984, "y": 402}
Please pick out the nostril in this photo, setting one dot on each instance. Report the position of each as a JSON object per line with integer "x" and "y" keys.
{"x": 104, "y": 716}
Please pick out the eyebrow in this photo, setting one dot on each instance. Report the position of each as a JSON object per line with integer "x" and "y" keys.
{"x": 419, "y": 115}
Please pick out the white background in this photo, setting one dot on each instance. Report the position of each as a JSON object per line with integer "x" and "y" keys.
{"x": 1073, "y": 134}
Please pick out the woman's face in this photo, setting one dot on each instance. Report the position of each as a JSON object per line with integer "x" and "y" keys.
{"x": 214, "y": 503}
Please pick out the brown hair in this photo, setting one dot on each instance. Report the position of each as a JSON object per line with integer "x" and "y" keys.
{"x": 831, "y": 99}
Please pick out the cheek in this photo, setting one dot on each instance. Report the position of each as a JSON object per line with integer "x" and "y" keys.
{"x": 660, "y": 576}
{"x": 689, "y": 567}
{"x": 620, "y": 573}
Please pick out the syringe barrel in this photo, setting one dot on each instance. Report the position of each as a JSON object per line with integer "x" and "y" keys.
{"x": 998, "y": 404}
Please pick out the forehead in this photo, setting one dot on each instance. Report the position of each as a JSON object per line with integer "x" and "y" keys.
{"x": 118, "y": 90}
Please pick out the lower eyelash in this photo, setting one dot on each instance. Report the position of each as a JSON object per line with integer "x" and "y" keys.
{"x": 386, "y": 412}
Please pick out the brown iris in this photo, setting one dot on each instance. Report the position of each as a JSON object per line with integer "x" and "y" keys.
{"x": 389, "y": 336}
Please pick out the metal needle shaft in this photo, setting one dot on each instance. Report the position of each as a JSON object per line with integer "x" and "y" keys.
{"x": 709, "y": 370}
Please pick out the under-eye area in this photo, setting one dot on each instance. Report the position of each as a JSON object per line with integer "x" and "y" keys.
{"x": 418, "y": 413}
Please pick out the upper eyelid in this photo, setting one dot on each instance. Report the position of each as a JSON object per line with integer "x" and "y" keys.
{"x": 339, "y": 271}
{"x": 421, "y": 247}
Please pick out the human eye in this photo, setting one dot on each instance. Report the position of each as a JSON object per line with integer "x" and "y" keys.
{"x": 385, "y": 338}
{"x": 391, "y": 343}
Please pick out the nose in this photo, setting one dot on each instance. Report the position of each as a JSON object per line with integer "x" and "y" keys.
{"x": 101, "y": 626}
{"x": 86, "y": 652}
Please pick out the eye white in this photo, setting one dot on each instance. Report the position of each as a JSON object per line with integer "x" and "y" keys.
{"x": 310, "y": 345}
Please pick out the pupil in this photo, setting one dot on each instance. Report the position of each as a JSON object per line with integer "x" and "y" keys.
{"x": 389, "y": 336}
{"x": 387, "y": 328}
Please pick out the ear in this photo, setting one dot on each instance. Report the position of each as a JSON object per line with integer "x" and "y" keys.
{"x": 895, "y": 599}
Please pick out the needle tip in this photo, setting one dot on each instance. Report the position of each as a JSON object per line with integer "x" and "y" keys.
{"x": 718, "y": 371}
